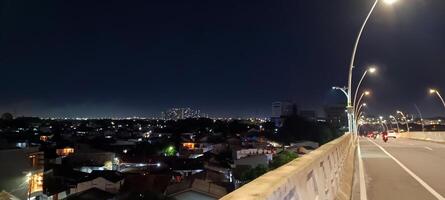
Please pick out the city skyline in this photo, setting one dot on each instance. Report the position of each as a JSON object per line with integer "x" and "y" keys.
{"x": 229, "y": 59}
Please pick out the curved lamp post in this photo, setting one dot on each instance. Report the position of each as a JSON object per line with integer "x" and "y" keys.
{"x": 342, "y": 89}
{"x": 351, "y": 65}
{"x": 421, "y": 118}
{"x": 383, "y": 122}
{"x": 365, "y": 93}
{"x": 397, "y": 123}
{"x": 355, "y": 110}
{"x": 434, "y": 91}
{"x": 370, "y": 70}
{"x": 406, "y": 120}
{"x": 358, "y": 111}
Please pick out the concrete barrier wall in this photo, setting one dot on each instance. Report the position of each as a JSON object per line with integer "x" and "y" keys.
{"x": 437, "y": 136}
{"x": 317, "y": 175}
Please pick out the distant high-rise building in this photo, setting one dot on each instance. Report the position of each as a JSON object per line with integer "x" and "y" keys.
{"x": 180, "y": 113}
{"x": 336, "y": 115}
{"x": 282, "y": 109}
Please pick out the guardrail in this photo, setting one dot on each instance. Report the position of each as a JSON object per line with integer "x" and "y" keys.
{"x": 317, "y": 175}
{"x": 438, "y": 136}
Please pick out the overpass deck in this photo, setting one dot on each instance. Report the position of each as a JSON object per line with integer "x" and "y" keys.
{"x": 403, "y": 169}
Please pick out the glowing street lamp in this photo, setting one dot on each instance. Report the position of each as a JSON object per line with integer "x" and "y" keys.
{"x": 355, "y": 103}
{"x": 406, "y": 120}
{"x": 343, "y": 89}
{"x": 365, "y": 93}
{"x": 355, "y": 109}
{"x": 434, "y": 91}
{"x": 389, "y": 2}
{"x": 358, "y": 114}
{"x": 359, "y": 109}
{"x": 351, "y": 65}
{"x": 370, "y": 70}
{"x": 397, "y": 123}
{"x": 421, "y": 118}
{"x": 383, "y": 122}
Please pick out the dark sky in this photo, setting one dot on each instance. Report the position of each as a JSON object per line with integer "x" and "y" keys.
{"x": 226, "y": 58}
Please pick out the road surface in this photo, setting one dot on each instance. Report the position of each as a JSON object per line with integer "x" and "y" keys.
{"x": 403, "y": 169}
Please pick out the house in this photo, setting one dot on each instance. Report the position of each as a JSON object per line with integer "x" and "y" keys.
{"x": 91, "y": 194}
{"x": 195, "y": 189}
{"x": 140, "y": 182}
{"x": 17, "y": 166}
{"x": 58, "y": 181}
{"x": 107, "y": 180}
{"x": 254, "y": 160}
{"x": 241, "y": 153}
{"x": 185, "y": 167}
{"x": 195, "y": 149}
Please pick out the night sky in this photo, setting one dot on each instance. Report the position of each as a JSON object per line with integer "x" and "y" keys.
{"x": 226, "y": 58}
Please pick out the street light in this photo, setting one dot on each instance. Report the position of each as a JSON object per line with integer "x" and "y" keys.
{"x": 421, "y": 118}
{"x": 343, "y": 89}
{"x": 355, "y": 103}
{"x": 358, "y": 113}
{"x": 383, "y": 122}
{"x": 355, "y": 110}
{"x": 434, "y": 91}
{"x": 365, "y": 93}
{"x": 359, "y": 109}
{"x": 351, "y": 65}
{"x": 390, "y": 1}
{"x": 370, "y": 70}
{"x": 406, "y": 120}
{"x": 397, "y": 123}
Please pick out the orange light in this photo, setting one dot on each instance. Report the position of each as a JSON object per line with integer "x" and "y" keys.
{"x": 188, "y": 145}
{"x": 44, "y": 138}
{"x": 36, "y": 182}
{"x": 65, "y": 151}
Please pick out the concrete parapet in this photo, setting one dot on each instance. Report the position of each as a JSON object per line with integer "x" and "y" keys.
{"x": 321, "y": 174}
{"x": 437, "y": 136}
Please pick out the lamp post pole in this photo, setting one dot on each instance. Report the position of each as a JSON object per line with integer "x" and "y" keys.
{"x": 397, "y": 123}
{"x": 351, "y": 67}
{"x": 438, "y": 94}
{"x": 421, "y": 118}
{"x": 406, "y": 120}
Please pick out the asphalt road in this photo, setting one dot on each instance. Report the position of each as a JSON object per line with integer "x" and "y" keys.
{"x": 403, "y": 169}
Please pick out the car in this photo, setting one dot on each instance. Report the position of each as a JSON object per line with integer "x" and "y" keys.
{"x": 392, "y": 134}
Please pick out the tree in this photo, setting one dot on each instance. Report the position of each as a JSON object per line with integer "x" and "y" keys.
{"x": 7, "y": 116}
{"x": 170, "y": 151}
{"x": 296, "y": 128}
{"x": 283, "y": 158}
{"x": 253, "y": 173}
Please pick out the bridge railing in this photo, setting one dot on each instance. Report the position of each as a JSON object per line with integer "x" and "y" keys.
{"x": 316, "y": 175}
